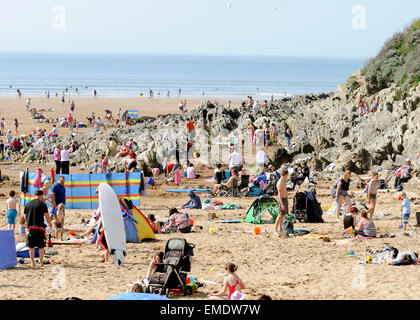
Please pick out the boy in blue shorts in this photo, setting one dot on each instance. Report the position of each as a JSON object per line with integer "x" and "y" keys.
{"x": 11, "y": 205}
{"x": 405, "y": 210}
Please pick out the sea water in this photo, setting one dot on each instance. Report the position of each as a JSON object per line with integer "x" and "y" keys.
{"x": 196, "y": 76}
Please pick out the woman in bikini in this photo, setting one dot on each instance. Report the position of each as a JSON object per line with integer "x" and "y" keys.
{"x": 231, "y": 284}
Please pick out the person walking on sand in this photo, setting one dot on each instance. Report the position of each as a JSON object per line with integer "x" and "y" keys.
{"x": 11, "y": 210}
{"x": 343, "y": 187}
{"x": 70, "y": 122}
{"x": 2, "y": 126}
{"x": 283, "y": 200}
{"x": 72, "y": 106}
{"x": 16, "y": 126}
{"x": 28, "y": 105}
{"x": 372, "y": 193}
{"x": 35, "y": 212}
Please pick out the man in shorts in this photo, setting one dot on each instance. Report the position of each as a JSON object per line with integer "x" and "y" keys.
{"x": 283, "y": 200}
{"x": 34, "y": 212}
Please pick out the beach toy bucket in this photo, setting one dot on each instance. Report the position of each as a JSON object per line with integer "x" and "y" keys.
{"x": 212, "y": 230}
{"x": 257, "y": 230}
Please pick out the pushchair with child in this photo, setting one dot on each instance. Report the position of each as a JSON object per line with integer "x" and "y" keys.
{"x": 172, "y": 272}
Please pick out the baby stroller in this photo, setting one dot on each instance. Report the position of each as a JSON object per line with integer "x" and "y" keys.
{"x": 306, "y": 207}
{"x": 299, "y": 209}
{"x": 272, "y": 184}
{"x": 171, "y": 273}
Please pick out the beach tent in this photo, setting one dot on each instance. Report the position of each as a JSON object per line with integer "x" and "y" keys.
{"x": 137, "y": 226}
{"x": 264, "y": 210}
{"x": 7, "y": 249}
{"x": 81, "y": 188}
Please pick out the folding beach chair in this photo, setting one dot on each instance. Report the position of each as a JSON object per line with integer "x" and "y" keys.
{"x": 234, "y": 191}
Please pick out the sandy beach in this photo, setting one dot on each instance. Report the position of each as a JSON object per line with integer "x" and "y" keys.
{"x": 12, "y": 108}
{"x": 293, "y": 268}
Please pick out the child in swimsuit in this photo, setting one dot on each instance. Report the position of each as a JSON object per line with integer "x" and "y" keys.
{"x": 11, "y": 212}
{"x": 22, "y": 222}
{"x": 58, "y": 221}
{"x": 231, "y": 284}
{"x": 104, "y": 164}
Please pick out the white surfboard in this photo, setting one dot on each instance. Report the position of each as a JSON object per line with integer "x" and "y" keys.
{"x": 113, "y": 223}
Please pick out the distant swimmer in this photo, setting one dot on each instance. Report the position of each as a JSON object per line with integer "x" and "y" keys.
{"x": 179, "y": 91}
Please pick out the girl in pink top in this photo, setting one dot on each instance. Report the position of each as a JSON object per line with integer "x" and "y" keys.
{"x": 57, "y": 159}
{"x": 177, "y": 177}
{"x": 231, "y": 284}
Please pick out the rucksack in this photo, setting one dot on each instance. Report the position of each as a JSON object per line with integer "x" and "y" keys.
{"x": 383, "y": 184}
{"x": 333, "y": 191}
{"x": 256, "y": 192}
{"x": 287, "y": 226}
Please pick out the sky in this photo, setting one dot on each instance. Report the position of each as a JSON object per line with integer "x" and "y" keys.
{"x": 309, "y": 28}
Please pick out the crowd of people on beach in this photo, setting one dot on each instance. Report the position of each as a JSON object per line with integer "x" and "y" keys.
{"x": 47, "y": 209}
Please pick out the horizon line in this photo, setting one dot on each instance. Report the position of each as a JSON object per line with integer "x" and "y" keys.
{"x": 245, "y": 55}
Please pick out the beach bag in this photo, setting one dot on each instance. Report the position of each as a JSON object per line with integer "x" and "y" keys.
{"x": 333, "y": 191}
{"x": 256, "y": 192}
{"x": 287, "y": 226}
{"x": 383, "y": 184}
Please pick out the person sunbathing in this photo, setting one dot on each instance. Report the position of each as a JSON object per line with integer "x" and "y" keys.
{"x": 226, "y": 186}
{"x": 231, "y": 284}
{"x": 366, "y": 227}
{"x": 156, "y": 226}
{"x": 123, "y": 152}
{"x": 178, "y": 222}
{"x": 152, "y": 266}
{"x": 405, "y": 173}
{"x": 350, "y": 218}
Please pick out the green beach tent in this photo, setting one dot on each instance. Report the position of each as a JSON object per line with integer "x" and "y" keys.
{"x": 264, "y": 210}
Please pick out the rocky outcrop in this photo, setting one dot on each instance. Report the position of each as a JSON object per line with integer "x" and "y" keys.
{"x": 328, "y": 126}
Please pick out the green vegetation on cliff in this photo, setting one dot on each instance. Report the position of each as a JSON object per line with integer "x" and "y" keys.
{"x": 398, "y": 62}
